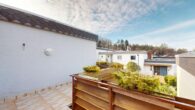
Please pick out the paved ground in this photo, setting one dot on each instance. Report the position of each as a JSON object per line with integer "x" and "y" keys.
{"x": 55, "y": 98}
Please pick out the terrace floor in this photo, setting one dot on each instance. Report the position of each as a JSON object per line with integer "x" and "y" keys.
{"x": 53, "y": 98}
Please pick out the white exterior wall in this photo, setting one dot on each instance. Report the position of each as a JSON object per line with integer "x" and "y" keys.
{"x": 127, "y": 57}
{"x": 172, "y": 70}
{"x": 23, "y": 70}
{"x": 149, "y": 69}
{"x": 185, "y": 84}
{"x": 103, "y": 57}
{"x": 186, "y": 77}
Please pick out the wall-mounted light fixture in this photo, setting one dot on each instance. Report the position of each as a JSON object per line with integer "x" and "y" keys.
{"x": 23, "y": 46}
{"x": 48, "y": 51}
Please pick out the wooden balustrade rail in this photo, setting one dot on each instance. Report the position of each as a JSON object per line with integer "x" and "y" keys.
{"x": 95, "y": 95}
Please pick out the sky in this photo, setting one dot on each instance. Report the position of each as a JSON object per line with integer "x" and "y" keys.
{"x": 140, "y": 21}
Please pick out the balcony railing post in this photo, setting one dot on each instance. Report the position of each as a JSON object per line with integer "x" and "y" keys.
{"x": 73, "y": 92}
{"x": 111, "y": 97}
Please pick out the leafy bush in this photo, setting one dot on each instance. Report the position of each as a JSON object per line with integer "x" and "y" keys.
{"x": 142, "y": 83}
{"x": 93, "y": 69}
{"x": 116, "y": 65}
{"x": 132, "y": 67}
{"x": 148, "y": 83}
{"x": 102, "y": 64}
{"x": 171, "y": 80}
{"x": 166, "y": 89}
{"x": 137, "y": 81}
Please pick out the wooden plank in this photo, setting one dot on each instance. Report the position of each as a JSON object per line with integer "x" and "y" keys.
{"x": 121, "y": 99}
{"x": 111, "y": 98}
{"x": 93, "y": 100}
{"x": 77, "y": 107}
{"x": 85, "y": 105}
{"x": 192, "y": 102}
{"x": 134, "y": 104}
{"x": 145, "y": 98}
{"x": 73, "y": 93}
{"x": 98, "y": 92}
{"x": 118, "y": 108}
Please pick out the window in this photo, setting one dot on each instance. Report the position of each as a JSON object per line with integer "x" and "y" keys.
{"x": 160, "y": 70}
{"x": 133, "y": 57}
{"x": 119, "y": 57}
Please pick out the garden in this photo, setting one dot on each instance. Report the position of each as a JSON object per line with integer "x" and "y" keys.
{"x": 130, "y": 78}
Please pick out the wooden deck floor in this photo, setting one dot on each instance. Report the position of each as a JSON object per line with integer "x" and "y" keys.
{"x": 56, "y": 98}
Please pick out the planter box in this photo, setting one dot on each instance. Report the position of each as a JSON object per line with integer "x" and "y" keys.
{"x": 103, "y": 75}
{"x": 91, "y": 94}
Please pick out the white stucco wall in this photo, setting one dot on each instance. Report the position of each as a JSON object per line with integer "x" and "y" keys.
{"x": 127, "y": 57}
{"x": 185, "y": 84}
{"x": 23, "y": 70}
{"x": 148, "y": 70}
{"x": 103, "y": 57}
{"x": 186, "y": 76}
{"x": 171, "y": 70}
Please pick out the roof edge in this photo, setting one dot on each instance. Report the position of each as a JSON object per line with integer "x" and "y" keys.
{"x": 15, "y": 18}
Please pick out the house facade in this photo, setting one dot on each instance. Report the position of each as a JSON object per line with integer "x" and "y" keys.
{"x": 124, "y": 57}
{"x": 160, "y": 66}
{"x": 149, "y": 65}
{"x": 99, "y": 50}
{"x": 37, "y": 52}
{"x": 186, "y": 75}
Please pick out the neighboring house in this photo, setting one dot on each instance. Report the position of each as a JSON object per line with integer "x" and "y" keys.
{"x": 160, "y": 66}
{"x": 98, "y": 50}
{"x": 36, "y": 52}
{"x": 124, "y": 57}
{"x": 186, "y": 75}
{"x": 148, "y": 64}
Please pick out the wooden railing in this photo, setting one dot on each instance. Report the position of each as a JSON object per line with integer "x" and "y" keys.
{"x": 94, "y": 95}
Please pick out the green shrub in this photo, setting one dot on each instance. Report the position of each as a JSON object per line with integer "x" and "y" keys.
{"x": 137, "y": 81}
{"x": 102, "y": 64}
{"x": 148, "y": 83}
{"x": 93, "y": 69}
{"x": 171, "y": 80}
{"x": 166, "y": 89}
{"x": 132, "y": 67}
{"x": 142, "y": 83}
{"x": 116, "y": 65}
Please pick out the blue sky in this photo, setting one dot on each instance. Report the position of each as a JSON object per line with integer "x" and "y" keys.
{"x": 172, "y": 23}
{"x": 139, "y": 21}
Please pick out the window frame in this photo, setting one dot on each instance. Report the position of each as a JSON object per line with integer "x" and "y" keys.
{"x": 119, "y": 57}
{"x": 133, "y": 57}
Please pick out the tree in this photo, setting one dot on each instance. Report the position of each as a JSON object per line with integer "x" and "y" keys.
{"x": 180, "y": 51}
{"x": 132, "y": 67}
{"x": 126, "y": 44}
{"x": 104, "y": 43}
{"x": 123, "y": 45}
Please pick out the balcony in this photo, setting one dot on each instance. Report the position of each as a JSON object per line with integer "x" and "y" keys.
{"x": 91, "y": 94}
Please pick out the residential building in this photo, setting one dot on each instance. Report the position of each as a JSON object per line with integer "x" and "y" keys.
{"x": 98, "y": 50}
{"x": 160, "y": 66}
{"x": 186, "y": 75}
{"x": 149, "y": 65}
{"x": 37, "y": 52}
{"x": 124, "y": 57}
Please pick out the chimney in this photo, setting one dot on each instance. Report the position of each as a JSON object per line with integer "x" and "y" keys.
{"x": 149, "y": 55}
